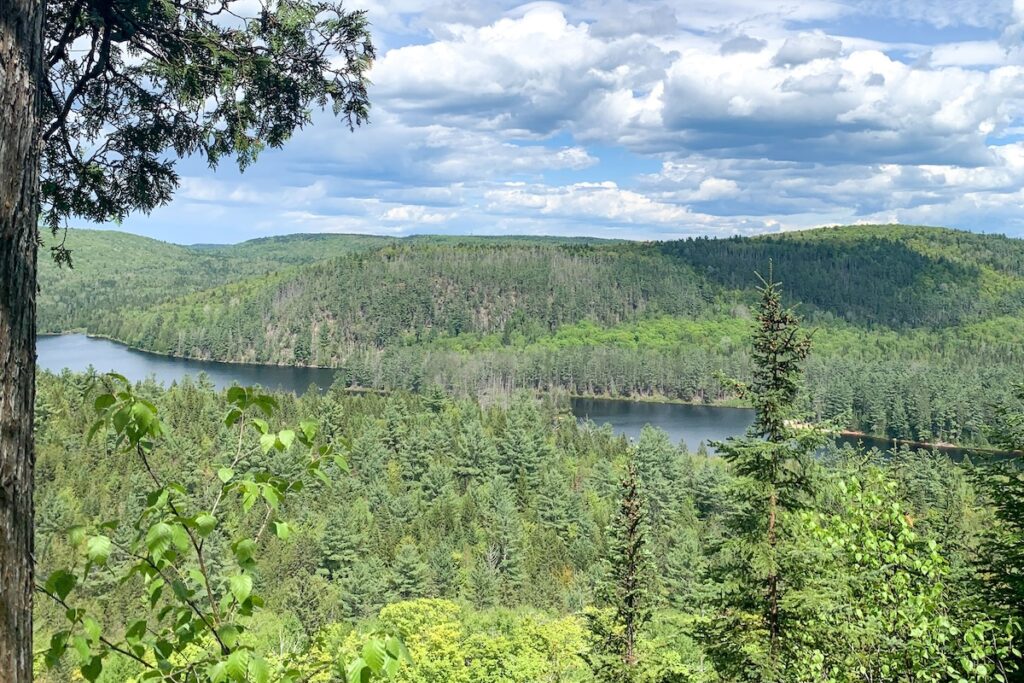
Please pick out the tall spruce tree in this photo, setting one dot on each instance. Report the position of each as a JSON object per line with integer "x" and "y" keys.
{"x": 1002, "y": 564}
{"x": 409, "y": 572}
{"x": 626, "y": 590}
{"x": 774, "y": 460}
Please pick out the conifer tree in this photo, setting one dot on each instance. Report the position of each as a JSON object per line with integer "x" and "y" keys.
{"x": 344, "y": 541}
{"x": 626, "y": 590}
{"x": 523, "y": 448}
{"x": 476, "y": 456}
{"x": 1002, "y": 576}
{"x": 409, "y": 574}
{"x": 444, "y": 570}
{"x": 364, "y": 590}
{"x": 774, "y": 459}
{"x": 482, "y": 582}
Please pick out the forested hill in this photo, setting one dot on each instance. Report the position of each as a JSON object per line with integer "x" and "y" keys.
{"x": 114, "y": 272}
{"x": 889, "y": 275}
{"x": 919, "y": 327}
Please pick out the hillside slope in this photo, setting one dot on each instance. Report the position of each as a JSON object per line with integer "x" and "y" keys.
{"x": 114, "y": 272}
{"x": 919, "y": 329}
{"x": 438, "y": 289}
{"x": 897, "y": 276}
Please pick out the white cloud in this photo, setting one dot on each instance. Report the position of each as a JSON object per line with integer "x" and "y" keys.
{"x": 805, "y": 48}
{"x": 742, "y": 43}
{"x": 213, "y": 190}
{"x": 494, "y": 116}
{"x": 415, "y": 214}
{"x": 604, "y": 201}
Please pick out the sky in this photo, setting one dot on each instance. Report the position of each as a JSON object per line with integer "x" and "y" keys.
{"x": 648, "y": 120}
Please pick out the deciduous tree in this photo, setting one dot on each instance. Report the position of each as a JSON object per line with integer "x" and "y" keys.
{"x": 93, "y": 131}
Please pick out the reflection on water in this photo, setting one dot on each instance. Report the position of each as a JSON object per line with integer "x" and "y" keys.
{"x": 78, "y": 352}
{"x": 691, "y": 424}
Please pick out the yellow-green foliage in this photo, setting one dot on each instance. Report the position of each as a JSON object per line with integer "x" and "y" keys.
{"x": 456, "y": 645}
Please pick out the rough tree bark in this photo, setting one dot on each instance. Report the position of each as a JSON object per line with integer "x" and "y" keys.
{"x": 21, "y": 23}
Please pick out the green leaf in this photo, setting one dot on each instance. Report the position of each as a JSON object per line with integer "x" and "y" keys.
{"x": 144, "y": 417}
{"x": 121, "y": 419}
{"x": 217, "y": 672}
{"x": 232, "y": 417}
{"x": 286, "y": 437}
{"x": 271, "y": 495}
{"x": 58, "y": 645}
{"x": 229, "y": 635}
{"x": 136, "y": 630}
{"x": 156, "y": 589}
{"x": 92, "y": 629}
{"x": 250, "y": 494}
{"x": 258, "y": 670}
{"x": 397, "y": 645}
{"x": 236, "y": 395}
{"x": 225, "y": 474}
{"x": 103, "y": 401}
{"x": 180, "y": 536}
{"x": 159, "y": 539}
{"x": 98, "y": 549}
{"x": 76, "y": 534}
{"x": 245, "y": 550}
{"x": 282, "y": 530}
{"x": 237, "y": 664}
{"x": 267, "y": 441}
{"x": 358, "y": 672}
{"x": 374, "y": 654}
{"x": 205, "y": 524}
{"x": 308, "y": 428}
{"x": 61, "y": 583}
{"x": 241, "y": 586}
{"x": 81, "y": 646}
{"x": 93, "y": 669}
{"x": 265, "y": 403}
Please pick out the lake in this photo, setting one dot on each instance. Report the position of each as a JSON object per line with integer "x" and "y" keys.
{"x": 692, "y": 424}
{"x": 77, "y": 352}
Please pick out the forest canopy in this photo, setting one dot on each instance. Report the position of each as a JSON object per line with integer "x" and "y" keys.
{"x": 916, "y": 329}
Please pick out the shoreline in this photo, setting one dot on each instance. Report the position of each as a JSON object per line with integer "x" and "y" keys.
{"x": 657, "y": 400}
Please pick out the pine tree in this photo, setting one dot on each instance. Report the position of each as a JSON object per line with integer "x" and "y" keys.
{"x": 1002, "y": 580}
{"x": 444, "y": 570}
{"x": 774, "y": 458}
{"x": 626, "y": 590}
{"x": 363, "y": 591}
{"x": 482, "y": 583}
{"x": 523, "y": 447}
{"x": 504, "y": 543}
{"x": 409, "y": 573}
{"x": 344, "y": 542}
{"x": 476, "y": 456}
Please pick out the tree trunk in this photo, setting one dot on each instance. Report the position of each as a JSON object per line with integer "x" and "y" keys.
{"x": 21, "y": 23}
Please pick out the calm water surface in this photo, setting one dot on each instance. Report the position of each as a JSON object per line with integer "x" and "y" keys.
{"x": 78, "y": 352}
{"x": 690, "y": 424}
